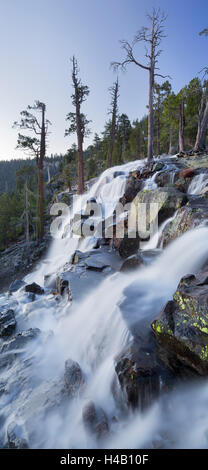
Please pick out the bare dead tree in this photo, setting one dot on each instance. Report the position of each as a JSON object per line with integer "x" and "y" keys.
{"x": 151, "y": 36}
{"x": 114, "y": 114}
{"x": 181, "y": 138}
{"x": 35, "y": 146}
{"x": 203, "y": 110}
{"x": 202, "y": 128}
{"x": 78, "y": 120}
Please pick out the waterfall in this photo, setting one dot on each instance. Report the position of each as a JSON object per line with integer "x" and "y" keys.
{"x": 107, "y": 190}
{"x": 92, "y": 333}
{"x": 198, "y": 183}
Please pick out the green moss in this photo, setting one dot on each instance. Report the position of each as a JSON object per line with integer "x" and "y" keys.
{"x": 204, "y": 353}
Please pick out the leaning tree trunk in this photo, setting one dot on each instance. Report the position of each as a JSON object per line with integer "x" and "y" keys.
{"x": 158, "y": 124}
{"x": 112, "y": 141}
{"x": 40, "y": 209}
{"x": 150, "y": 116}
{"x": 181, "y": 128}
{"x": 158, "y": 134}
{"x": 80, "y": 151}
{"x": 202, "y": 129}
{"x": 170, "y": 151}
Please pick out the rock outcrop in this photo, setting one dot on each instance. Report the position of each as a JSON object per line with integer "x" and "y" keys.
{"x": 186, "y": 218}
{"x": 182, "y": 326}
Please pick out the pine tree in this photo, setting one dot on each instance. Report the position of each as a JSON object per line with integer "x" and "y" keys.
{"x": 78, "y": 120}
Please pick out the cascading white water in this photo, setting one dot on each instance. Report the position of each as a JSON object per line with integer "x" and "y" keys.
{"x": 106, "y": 190}
{"x": 93, "y": 333}
{"x": 150, "y": 183}
{"x": 198, "y": 183}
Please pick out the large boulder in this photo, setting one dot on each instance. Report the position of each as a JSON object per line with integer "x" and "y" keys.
{"x": 186, "y": 218}
{"x": 73, "y": 377}
{"x": 137, "y": 372}
{"x": 95, "y": 421}
{"x": 182, "y": 326}
{"x": 162, "y": 202}
{"x": 34, "y": 288}
{"x": 131, "y": 263}
{"x": 166, "y": 177}
{"x": 182, "y": 184}
{"x": 128, "y": 245}
{"x": 133, "y": 186}
{"x": 187, "y": 173}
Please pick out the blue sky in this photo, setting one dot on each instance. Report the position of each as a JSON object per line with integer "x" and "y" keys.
{"x": 38, "y": 37}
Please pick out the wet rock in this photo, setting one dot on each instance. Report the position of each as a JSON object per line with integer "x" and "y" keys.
{"x": 182, "y": 184}
{"x": 15, "y": 435}
{"x": 158, "y": 166}
{"x": 95, "y": 263}
{"x": 20, "y": 340}
{"x": 11, "y": 348}
{"x": 186, "y": 218}
{"x": 89, "y": 416}
{"x": 162, "y": 202}
{"x": 62, "y": 285}
{"x": 187, "y": 173}
{"x": 73, "y": 377}
{"x": 133, "y": 186}
{"x": 31, "y": 297}
{"x": 91, "y": 199}
{"x": 74, "y": 258}
{"x": 34, "y": 288}
{"x": 128, "y": 245}
{"x": 16, "y": 285}
{"x": 148, "y": 256}
{"x": 95, "y": 421}
{"x": 118, "y": 173}
{"x": 182, "y": 326}
{"x": 137, "y": 372}
{"x": 165, "y": 177}
{"x": 131, "y": 263}
{"x": 146, "y": 172}
{"x": 7, "y": 323}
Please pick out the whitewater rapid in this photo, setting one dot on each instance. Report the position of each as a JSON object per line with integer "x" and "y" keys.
{"x": 92, "y": 333}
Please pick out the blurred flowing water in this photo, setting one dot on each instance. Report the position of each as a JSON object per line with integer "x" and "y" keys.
{"x": 92, "y": 333}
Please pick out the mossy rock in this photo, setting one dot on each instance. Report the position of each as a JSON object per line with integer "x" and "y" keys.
{"x": 161, "y": 203}
{"x": 182, "y": 326}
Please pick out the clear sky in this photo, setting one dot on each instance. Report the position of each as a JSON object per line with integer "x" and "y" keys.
{"x": 38, "y": 37}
